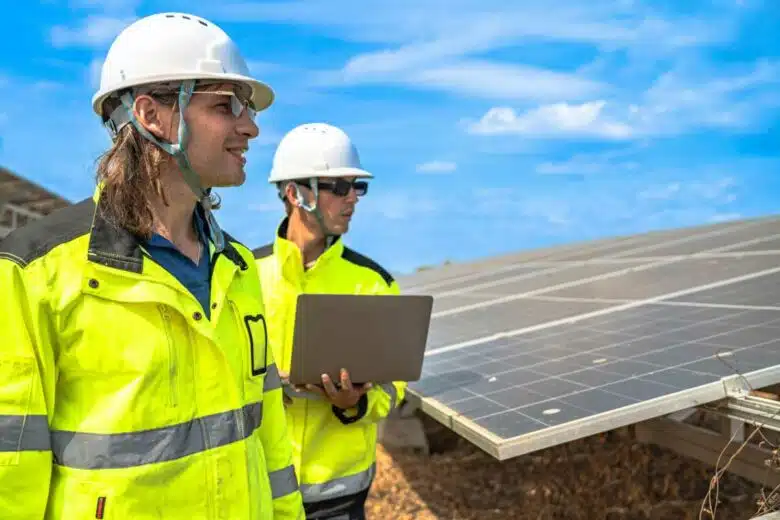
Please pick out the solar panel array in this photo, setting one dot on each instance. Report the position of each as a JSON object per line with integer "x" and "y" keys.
{"x": 544, "y": 347}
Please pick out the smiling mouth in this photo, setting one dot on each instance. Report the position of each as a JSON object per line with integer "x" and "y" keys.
{"x": 238, "y": 153}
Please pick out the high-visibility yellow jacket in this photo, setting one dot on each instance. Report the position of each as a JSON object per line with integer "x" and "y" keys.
{"x": 334, "y": 452}
{"x": 119, "y": 399}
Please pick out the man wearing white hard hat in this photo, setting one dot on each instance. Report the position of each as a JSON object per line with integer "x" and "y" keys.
{"x": 136, "y": 377}
{"x": 319, "y": 177}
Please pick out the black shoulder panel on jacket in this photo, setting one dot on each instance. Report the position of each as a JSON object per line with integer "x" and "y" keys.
{"x": 263, "y": 251}
{"x": 363, "y": 261}
{"x": 34, "y": 240}
{"x": 232, "y": 253}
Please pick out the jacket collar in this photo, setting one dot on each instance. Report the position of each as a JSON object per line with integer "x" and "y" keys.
{"x": 114, "y": 246}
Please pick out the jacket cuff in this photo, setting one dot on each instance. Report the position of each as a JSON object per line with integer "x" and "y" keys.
{"x": 362, "y": 408}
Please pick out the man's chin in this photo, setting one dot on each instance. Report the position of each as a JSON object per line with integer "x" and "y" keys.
{"x": 339, "y": 229}
{"x": 231, "y": 181}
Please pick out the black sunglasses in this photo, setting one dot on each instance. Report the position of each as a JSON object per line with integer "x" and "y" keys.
{"x": 340, "y": 187}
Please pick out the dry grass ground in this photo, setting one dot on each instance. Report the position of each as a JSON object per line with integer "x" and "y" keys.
{"x": 607, "y": 477}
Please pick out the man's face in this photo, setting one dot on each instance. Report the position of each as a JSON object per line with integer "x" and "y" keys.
{"x": 336, "y": 209}
{"x": 218, "y": 136}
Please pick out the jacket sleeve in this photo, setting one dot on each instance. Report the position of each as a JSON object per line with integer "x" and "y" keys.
{"x": 379, "y": 401}
{"x": 374, "y": 405}
{"x": 26, "y": 380}
{"x": 288, "y": 504}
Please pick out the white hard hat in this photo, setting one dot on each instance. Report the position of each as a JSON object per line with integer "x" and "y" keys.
{"x": 316, "y": 150}
{"x": 169, "y": 47}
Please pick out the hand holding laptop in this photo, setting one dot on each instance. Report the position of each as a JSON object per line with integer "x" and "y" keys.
{"x": 345, "y": 396}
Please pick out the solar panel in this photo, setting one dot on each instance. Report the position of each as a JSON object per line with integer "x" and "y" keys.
{"x": 647, "y": 362}
{"x": 522, "y": 359}
{"x": 760, "y": 292}
{"x": 714, "y": 239}
{"x": 490, "y": 277}
{"x": 649, "y": 245}
{"x": 661, "y": 278}
{"x": 429, "y": 278}
{"x": 772, "y": 244}
{"x": 537, "y": 279}
{"x": 493, "y": 319}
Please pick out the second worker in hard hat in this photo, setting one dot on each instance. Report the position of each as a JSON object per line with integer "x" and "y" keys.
{"x": 318, "y": 173}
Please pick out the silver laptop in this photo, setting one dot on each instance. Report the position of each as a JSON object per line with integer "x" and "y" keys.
{"x": 377, "y": 338}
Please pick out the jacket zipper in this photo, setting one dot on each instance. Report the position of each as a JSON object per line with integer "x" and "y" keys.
{"x": 172, "y": 365}
{"x": 245, "y": 354}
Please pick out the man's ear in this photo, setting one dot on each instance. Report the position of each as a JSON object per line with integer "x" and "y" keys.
{"x": 147, "y": 112}
{"x": 289, "y": 194}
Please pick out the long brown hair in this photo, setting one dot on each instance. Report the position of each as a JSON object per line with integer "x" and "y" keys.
{"x": 130, "y": 170}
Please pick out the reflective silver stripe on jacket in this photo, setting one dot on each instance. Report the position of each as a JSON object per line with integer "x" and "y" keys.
{"x": 389, "y": 388}
{"x": 272, "y": 380}
{"x": 124, "y": 450}
{"x": 339, "y": 487}
{"x": 24, "y": 433}
{"x": 283, "y": 481}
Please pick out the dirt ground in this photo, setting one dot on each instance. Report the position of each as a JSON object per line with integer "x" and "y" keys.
{"x": 608, "y": 476}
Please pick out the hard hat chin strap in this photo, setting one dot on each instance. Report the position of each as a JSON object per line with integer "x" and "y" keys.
{"x": 178, "y": 151}
{"x": 314, "y": 210}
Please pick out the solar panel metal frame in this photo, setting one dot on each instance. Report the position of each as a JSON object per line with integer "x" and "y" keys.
{"x": 504, "y": 448}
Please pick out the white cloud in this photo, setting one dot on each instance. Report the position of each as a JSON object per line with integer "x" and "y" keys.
{"x": 437, "y": 46}
{"x": 434, "y": 45}
{"x": 621, "y": 160}
{"x": 94, "y": 31}
{"x": 581, "y": 167}
{"x": 105, "y": 5}
{"x": 504, "y": 81}
{"x": 474, "y": 78}
{"x": 260, "y": 67}
{"x": 94, "y": 71}
{"x": 266, "y": 207}
{"x": 412, "y": 56}
{"x": 700, "y": 97}
{"x": 532, "y": 208}
{"x": 724, "y": 217}
{"x": 394, "y": 205}
{"x": 676, "y": 103}
{"x": 665, "y": 192}
{"x": 558, "y": 119}
{"x": 717, "y": 190}
{"x": 437, "y": 167}
{"x": 489, "y": 23}
{"x": 39, "y": 109}
{"x": 632, "y": 205}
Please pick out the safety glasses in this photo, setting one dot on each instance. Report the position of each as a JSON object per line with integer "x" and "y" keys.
{"x": 237, "y": 106}
{"x": 340, "y": 187}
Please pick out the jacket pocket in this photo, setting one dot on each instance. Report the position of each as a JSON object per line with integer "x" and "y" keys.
{"x": 252, "y": 327}
{"x": 16, "y": 379}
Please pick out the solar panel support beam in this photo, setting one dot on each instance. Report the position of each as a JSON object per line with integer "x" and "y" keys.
{"x": 710, "y": 447}
{"x": 757, "y": 411}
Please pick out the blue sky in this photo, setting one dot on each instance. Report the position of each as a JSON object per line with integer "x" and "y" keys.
{"x": 492, "y": 126}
